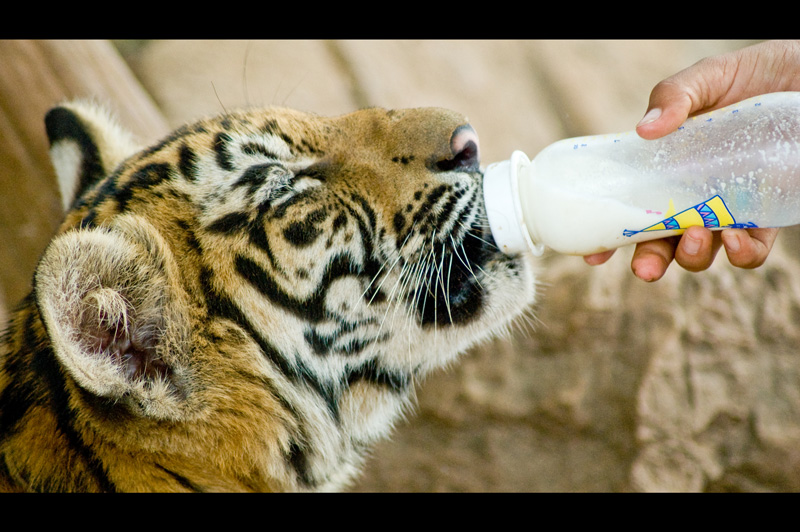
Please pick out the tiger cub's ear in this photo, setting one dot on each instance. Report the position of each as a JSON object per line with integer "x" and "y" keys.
{"x": 86, "y": 144}
{"x": 115, "y": 314}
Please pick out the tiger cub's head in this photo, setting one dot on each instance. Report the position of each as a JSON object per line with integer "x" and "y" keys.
{"x": 269, "y": 283}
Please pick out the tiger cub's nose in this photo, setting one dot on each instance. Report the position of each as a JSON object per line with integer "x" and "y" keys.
{"x": 464, "y": 146}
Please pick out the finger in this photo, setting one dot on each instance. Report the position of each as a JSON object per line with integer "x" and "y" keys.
{"x": 697, "y": 249}
{"x": 748, "y": 248}
{"x": 651, "y": 259}
{"x": 598, "y": 258}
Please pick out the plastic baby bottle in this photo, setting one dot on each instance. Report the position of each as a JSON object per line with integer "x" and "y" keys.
{"x": 738, "y": 166}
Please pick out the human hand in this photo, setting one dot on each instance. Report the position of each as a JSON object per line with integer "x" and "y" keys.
{"x": 709, "y": 84}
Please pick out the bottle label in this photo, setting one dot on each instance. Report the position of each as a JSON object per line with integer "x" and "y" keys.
{"x": 712, "y": 213}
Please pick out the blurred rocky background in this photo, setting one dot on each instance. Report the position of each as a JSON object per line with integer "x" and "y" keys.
{"x": 688, "y": 384}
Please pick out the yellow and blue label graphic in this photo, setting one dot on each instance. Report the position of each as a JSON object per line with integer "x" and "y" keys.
{"x": 712, "y": 213}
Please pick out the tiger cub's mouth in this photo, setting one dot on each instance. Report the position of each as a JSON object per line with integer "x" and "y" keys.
{"x": 448, "y": 287}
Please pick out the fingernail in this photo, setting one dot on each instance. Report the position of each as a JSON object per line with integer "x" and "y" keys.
{"x": 732, "y": 242}
{"x": 690, "y": 245}
{"x": 651, "y": 116}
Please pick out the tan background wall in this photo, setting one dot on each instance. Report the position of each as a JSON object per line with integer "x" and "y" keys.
{"x": 690, "y": 384}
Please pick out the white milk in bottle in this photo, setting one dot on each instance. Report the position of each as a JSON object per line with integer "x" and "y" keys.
{"x": 738, "y": 166}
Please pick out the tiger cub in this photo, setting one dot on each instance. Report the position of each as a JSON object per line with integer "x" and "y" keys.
{"x": 247, "y": 304}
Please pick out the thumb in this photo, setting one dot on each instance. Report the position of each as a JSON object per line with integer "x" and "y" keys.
{"x": 701, "y": 87}
{"x": 669, "y": 107}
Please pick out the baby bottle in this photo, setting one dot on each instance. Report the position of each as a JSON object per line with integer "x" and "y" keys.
{"x": 738, "y": 166}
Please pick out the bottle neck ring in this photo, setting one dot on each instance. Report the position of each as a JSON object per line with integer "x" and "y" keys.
{"x": 504, "y": 208}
